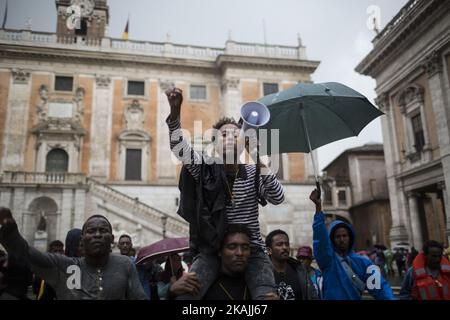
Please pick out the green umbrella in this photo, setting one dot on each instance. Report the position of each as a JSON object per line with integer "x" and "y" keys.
{"x": 309, "y": 116}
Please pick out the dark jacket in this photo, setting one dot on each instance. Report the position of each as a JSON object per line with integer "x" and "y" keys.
{"x": 203, "y": 205}
{"x": 307, "y": 288}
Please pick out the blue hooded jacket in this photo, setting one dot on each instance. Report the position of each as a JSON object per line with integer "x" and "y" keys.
{"x": 336, "y": 283}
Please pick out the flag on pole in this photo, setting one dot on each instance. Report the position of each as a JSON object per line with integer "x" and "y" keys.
{"x": 5, "y": 16}
{"x": 125, "y": 32}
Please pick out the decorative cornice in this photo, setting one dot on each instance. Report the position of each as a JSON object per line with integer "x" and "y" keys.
{"x": 230, "y": 84}
{"x": 59, "y": 126}
{"x": 433, "y": 64}
{"x": 20, "y": 76}
{"x": 414, "y": 22}
{"x": 412, "y": 194}
{"x": 134, "y": 135}
{"x": 224, "y": 61}
{"x": 165, "y": 84}
{"x": 383, "y": 102}
{"x": 412, "y": 93}
{"x": 102, "y": 81}
{"x": 67, "y": 55}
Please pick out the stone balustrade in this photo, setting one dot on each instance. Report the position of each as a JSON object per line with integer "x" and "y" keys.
{"x": 163, "y": 49}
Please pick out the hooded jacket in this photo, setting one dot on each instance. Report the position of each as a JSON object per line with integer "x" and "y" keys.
{"x": 337, "y": 285}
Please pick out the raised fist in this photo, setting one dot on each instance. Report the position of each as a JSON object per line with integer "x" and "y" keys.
{"x": 175, "y": 97}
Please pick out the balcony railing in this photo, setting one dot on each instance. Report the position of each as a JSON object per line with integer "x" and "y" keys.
{"x": 32, "y": 38}
{"x": 397, "y": 20}
{"x": 20, "y": 177}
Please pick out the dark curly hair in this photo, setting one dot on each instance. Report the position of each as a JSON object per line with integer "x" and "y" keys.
{"x": 226, "y": 120}
{"x": 234, "y": 228}
{"x": 432, "y": 244}
{"x": 272, "y": 234}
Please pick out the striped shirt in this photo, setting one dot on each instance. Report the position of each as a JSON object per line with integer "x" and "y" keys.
{"x": 245, "y": 209}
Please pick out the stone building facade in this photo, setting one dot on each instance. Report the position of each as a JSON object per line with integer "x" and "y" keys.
{"x": 82, "y": 124}
{"x": 410, "y": 61}
{"x": 355, "y": 190}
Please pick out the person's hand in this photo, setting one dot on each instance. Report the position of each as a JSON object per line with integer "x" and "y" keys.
{"x": 254, "y": 143}
{"x": 175, "y": 97}
{"x": 188, "y": 283}
{"x": 271, "y": 296}
{"x": 314, "y": 197}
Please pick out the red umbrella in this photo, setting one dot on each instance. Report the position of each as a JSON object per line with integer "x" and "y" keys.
{"x": 163, "y": 247}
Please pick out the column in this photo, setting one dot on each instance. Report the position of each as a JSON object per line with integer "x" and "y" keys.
{"x": 231, "y": 97}
{"x": 446, "y": 200}
{"x": 438, "y": 83}
{"x": 101, "y": 126}
{"x": 398, "y": 231}
{"x": 65, "y": 213}
{"x": 16, "y": 121}
{"x": 19, "y": 211}
{"x": 79, "y": 209}
{"x": 417, "y": 237}
{"x": 164, "y": 161}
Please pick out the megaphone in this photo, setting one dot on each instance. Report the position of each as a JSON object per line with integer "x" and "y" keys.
{"x": 254, "y": 115}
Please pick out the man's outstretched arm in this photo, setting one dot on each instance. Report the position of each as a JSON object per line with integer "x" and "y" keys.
{"x": 323, "y": 249}
{"x": 16, "y": 245}
{"x": 178, "y": 145}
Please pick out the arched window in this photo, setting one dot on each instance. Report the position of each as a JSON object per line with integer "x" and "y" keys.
{"x": 57, "y": 161}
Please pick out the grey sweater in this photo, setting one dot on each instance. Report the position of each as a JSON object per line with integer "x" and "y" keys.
{"x": 73, "y": 279}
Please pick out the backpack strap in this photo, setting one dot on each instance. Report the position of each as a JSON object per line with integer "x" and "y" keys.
{"x": 356, "y": 281}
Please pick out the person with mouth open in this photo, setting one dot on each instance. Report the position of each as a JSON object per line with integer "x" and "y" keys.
{"x": 98, "y": 275}
{"x": 218, "y": 190}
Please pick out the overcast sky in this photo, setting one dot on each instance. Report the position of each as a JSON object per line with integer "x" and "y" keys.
{"x": 334, "y": 32}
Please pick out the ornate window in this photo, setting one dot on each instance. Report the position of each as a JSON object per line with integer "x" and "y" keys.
{"x": 411, "y": 102}
{"x": 133, "y": 164}
{"x": 419, "y": 140}
{"x": 134, "y": 145}
{"x": 57, "y": 160}
{"x": 59, "y": 128}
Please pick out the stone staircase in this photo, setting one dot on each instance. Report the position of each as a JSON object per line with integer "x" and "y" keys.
{"x": 133, "y": 215}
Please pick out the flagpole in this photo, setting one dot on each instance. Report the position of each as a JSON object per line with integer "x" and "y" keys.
{"x": 5, "y": 16}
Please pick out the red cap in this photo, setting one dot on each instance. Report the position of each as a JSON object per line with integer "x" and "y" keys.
{"x": 305, "y": 251}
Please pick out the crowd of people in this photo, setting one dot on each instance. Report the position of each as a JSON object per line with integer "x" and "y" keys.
{"x": 228, "y": 259}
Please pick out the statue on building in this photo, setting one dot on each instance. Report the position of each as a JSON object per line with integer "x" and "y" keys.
{"x": 41, "y": 235}
{"x": 78, "y": 104}
{"x": 134, "y": 116}
{"x": 42, "y": 107}
{"x": 42, "y": 225}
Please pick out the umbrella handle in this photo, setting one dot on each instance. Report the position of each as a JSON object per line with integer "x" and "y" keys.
{"x": 318, "y": 188}
{"x": 171, "y": 265}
